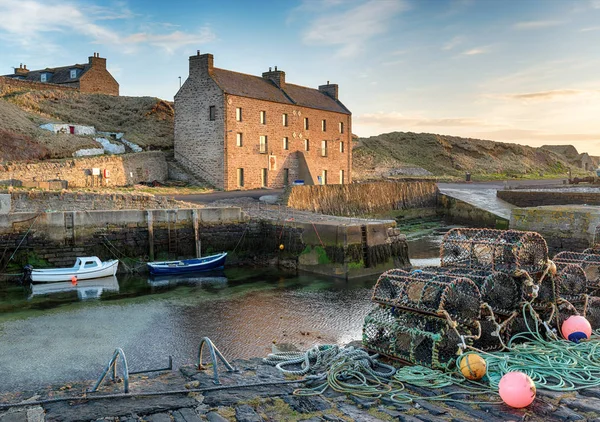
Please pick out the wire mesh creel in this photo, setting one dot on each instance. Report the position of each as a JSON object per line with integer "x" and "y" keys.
{"x": 412, "y": 337}
{"x": 588, "y": 261}
{"x": 570, "y": 280}
{"x": 431, "y": 293}
{"x": 499, "y": 290}
{"x": 497, "y": 250}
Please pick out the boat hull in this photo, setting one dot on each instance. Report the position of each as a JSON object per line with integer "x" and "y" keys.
{"x": 208, "y": 263}
{"x": 108, "y": 269}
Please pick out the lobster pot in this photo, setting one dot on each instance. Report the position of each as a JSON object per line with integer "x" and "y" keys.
{"x": 429, "y": 293}
{"x": 570, "y": 280}
{"x": 501, "y": 291}
{"x": 590, "y": 264}
{"x": 412, "y": 337}
{"x": 547, "y": 293}
{"x": 590, "y": 309}
{"x": 496, "y": 250}
{"x": 491, "y": 338}
{"x": 519, "y": 324}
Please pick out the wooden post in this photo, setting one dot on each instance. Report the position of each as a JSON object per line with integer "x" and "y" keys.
{"x": 196, "y": 233}
{"x": 150, "y": 234}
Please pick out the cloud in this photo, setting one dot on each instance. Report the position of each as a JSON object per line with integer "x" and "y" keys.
{"x": 351, "y": 29}
{"x": 591, "y": 28}
{"x": 40, "y": 20}
{"x": 549, "y": 95}
{"x": 476, "y": 51}
{"x": 398, "y": 120}
{"x": 524, "y": 25}
{"x": 595, "y": 4}
{"x": 454, "y": 42}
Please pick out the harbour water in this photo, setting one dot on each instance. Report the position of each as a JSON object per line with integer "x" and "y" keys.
{"x": 50, "y": 338}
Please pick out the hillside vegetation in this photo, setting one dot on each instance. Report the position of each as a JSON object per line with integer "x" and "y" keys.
{"x": 148, "y": 122}
{"x": 407, "y": 153}
{"x": 145, "y": 121}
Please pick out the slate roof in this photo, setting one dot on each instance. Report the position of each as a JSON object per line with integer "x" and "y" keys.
{"x": 57, "y": 75}
{"x": 251, "y": 86}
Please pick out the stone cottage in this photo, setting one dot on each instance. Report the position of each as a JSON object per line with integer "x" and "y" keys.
{"x": 92, "y": 77}
{"x": 240, "y": 131}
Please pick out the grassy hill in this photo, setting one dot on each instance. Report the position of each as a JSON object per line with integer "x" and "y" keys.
{"x": 403, "y": 153}
{"x": 145, "y": 121}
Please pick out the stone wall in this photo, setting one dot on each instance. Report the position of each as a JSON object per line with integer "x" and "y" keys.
{"x": 565, "y": 227}
{"x": 123, "y": 170}
{"x": 522, "y": 198}
{"x": 38, "y": 201}
{"x": 363, "y": 198}
{"x": 10, "y": 84}
{"x": 462, "y": 212}
{"x": 198, "y": 143}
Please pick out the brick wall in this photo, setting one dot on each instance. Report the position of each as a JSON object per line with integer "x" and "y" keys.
{"x": 124, "y": 170}
{"x": 198, "y": 141}
{"x": 522, "y": 198}
{"x": 10, "y": 84}
{"x": 363, "y": 198}
{"x": 253, "y": 162}
{"x": 97, "y": 80}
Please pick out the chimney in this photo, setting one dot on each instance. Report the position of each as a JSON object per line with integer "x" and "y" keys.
{"x": 201, "y": 65}
{"x": 21, "y": 70}
{"x": 97, "y": 61}
{"x": 277, "y": 76}
{"x": 330, "y": 89}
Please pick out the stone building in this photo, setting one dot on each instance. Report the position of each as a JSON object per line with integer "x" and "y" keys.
{"x": 92, "y": 77}
{"x": 240, "y": 131}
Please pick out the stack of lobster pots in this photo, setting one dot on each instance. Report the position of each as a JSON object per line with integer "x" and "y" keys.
{"x": 479, "y": 296}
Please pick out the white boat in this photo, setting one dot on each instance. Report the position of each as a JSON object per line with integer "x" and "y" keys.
{"x": 86, "y": 289}
{"x": 84, "y": 269}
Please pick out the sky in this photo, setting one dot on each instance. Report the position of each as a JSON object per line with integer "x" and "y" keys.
{"x": 524, "y": 71}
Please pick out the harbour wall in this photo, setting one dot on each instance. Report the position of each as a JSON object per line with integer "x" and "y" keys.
{"x": 137, "y": 236}
{"x": 526, "y": 198}
{"x": 462, "y": 212}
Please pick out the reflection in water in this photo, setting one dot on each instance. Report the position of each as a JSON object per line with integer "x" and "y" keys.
{"x": 425, "y": 251}
{"x": 55, "y": 338}
{"x": 86, "y": 289}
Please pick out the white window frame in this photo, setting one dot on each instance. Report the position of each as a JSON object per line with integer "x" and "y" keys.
{"x": 263, "y": 117}
{"x": 44, "y": 77}
{"x": 239, "y": 139}
{"x": 341, "y": 127}
{"x": 306, "y": 123}
{"x": 286, "y": 143}
{"x": 341, "y": 177}
{"x": 342, "y": 147}
{"x": 73, "y": 73}
{"x": 306, "y": 145}
{"x": 262, "y": 144}
{"x": 324, "y": 125}
{"x": 240, "y": 177}
{"x": 238, "y": 114}
{"x": 284, "y": 118}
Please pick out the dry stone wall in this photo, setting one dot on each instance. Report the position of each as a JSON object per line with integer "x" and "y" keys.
{"x": 10, "y": 84}
{"x": 122, "y": 170}
{"x": 363, "y": 198}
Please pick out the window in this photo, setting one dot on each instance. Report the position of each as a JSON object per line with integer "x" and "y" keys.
{"x": 73, "y": 73}
{"x": 286, "y": 177}
{"x": 284, "y": 119}
{"x": 238, "y": 114}
{"x": 263, "y": 117}
{"x": 263, "y": 144}
{"x": 341, "y": 146}
{"x": 263, "y": 178}
{"x": 238, "y": 140}
{"x": 341, "y": 177}
{"x": 323, "y": 148}
{"x": 44, "y": 77}
{"x": 341, "y": 127}
{"x": 211, "y": 113}
{"x": 240, "y": 177}
{"x": 324, "y": 177}
{"x": 285, "y": 143}
{"x": 324, "y": 125}
{"x": 306, "y": 123}
{"x": 306, "y": 145}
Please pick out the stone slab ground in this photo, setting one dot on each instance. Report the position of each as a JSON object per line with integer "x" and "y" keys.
{"x": 272, "y": 400}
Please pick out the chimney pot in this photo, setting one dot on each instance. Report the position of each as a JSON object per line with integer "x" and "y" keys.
{"x": 269, "y": 68}
{"x": 275, "y": 68}
{"x": 327, "y": 82}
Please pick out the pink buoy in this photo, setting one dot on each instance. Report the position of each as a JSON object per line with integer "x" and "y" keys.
{"x": 576, "y": 328}
{"x": 74, "y": 280}
{"x": 517, "y": 389}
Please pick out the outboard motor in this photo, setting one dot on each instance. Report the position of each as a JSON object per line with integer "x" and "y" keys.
{"x": 27, "y": 270}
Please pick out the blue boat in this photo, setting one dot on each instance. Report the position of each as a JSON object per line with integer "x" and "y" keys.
{"x": 212, "y": 262}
